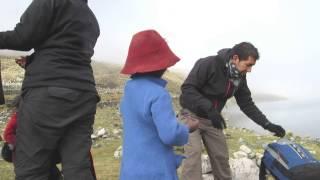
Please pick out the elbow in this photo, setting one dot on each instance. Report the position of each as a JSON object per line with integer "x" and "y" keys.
{"x": 22, "y": 45}
{"x": 170, "y": 141}
{"x": 176, "y": 139}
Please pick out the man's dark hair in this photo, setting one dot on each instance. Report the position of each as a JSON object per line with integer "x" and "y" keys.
{"x": 244, "y": 50}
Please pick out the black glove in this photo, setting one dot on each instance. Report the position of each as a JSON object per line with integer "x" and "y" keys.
{"x": 276, "y": 129}
{"x": 217, "y": 120}
{"x": 6, "y": 152}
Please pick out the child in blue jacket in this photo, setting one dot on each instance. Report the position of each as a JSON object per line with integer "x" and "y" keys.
{"x": 150, "y": 125}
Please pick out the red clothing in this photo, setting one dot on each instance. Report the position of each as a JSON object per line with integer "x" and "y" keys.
{"x": 9, "y": 134}
{"x": 148, "y": 52}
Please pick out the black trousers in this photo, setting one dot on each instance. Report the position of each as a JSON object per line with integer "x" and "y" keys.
{"x": 52, "y": 119}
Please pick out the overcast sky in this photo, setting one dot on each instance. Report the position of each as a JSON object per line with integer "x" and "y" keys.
{"x": 286, "y": 32}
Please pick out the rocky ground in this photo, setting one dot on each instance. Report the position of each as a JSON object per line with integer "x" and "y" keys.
{"x": 246, "y": 148}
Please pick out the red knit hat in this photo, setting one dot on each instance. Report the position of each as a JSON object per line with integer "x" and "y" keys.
{"x": 148, "y": 52}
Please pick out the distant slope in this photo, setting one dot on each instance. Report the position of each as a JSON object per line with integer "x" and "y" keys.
{"x": 108, "y": 76}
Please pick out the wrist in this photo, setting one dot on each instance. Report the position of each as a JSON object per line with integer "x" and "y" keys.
{"x": 265, "y": 125}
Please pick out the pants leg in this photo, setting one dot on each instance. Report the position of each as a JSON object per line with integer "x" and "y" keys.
{"x": 35, "y": 167}
{"x": 216, "y": 146}
{"x": 74, "y": 150}
{"x": 55, "y": 173}
{"x": 48, "y": 118}
{"x": 191, "y": 166}
{"x": 93, "y": 171}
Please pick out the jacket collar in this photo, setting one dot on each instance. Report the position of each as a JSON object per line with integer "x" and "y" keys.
{"x": 159, "y": 81}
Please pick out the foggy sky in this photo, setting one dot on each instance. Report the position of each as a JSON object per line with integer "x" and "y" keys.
{"x": 286, "y": 32}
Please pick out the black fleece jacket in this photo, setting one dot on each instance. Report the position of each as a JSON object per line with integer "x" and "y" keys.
{"x": 63, "y": 34}
{"x": 208, "y": 87}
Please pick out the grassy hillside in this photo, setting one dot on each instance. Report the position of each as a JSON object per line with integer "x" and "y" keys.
{"x": 110, "y": 84}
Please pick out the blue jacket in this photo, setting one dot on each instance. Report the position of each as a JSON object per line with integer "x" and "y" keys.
{"x": 150, "y": 131}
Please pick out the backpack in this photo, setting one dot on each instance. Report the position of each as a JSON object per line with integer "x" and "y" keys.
{"x": 6, "y": 152}
{"x": 287, "y": 160}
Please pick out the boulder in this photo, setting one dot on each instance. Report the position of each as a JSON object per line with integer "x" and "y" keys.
{"x": 240, "y": 154}
{"x": 245, "y": 149}
{"x": 207, "y": 177}
{"x": 118, "y": 153}
{"x": 101, "y": 132}
{"x": 244, "y": 169}
{"x": 206, "y": 166}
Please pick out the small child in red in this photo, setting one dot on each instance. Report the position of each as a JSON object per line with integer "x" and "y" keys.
{"x": 9, "y": 134}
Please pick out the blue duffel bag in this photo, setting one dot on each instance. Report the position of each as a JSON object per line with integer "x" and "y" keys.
{"x": 287, "y": 160}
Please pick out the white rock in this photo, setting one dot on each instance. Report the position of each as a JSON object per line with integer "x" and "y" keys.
{"x": 251, "y": 155}
{"x": 93, "y": 136}
{"x": 259, "y": 155}
{"x": 206, "y": 166}
{"x": 118, "y": 153}
{"x": 258, "y": 159}
{"x": 240, "y": 154}
{"x": 104, "y": 136}
{"x": 116, "y": 131}
{"x": 96, "y": 145}
{"x": 313, "y": 152}
{"x": 207, "y": 177}
{"x": 245, "y": 149}
{"x": 101, "y": 132}
{"x": 244, "y": 169}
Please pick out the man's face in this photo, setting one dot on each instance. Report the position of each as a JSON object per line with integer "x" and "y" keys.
{"x": 244, "y": 65}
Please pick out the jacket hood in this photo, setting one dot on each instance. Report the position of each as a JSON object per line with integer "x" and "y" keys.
{"x": 224, "y": 53}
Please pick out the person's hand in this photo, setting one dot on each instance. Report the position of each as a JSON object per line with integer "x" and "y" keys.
{"x": 22, "y": 61}
{"x": 192, "y": 123}
{"x": 276, "y": 129}
{"x": 217, "y": 120}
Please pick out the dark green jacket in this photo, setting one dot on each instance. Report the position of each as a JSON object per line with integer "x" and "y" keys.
{"x": 208, "y": 87}
{"x": 63, "y": 34}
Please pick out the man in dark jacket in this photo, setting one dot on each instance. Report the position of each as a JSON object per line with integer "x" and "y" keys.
{"x": 59, "y": 97}
{"x": 211, "y": 82}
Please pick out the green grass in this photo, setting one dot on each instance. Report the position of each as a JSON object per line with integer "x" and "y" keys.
{"x": 107, "y": 167}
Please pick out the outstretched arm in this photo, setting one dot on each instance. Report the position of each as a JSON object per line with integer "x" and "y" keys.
{"x": 246, "y": 104}
{"x": 32, "y": 29}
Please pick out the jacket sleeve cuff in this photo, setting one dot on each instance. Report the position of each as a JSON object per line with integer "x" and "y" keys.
{"x": 266, "y": 124}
